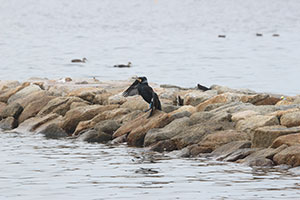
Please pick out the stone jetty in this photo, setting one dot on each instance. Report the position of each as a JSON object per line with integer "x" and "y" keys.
{"x": 234, "y": 125}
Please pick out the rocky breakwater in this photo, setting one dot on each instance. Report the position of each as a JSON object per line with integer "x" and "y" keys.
{"x": 231, "y": 125}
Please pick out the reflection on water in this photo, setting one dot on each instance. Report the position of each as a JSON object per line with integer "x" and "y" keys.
{"x": 178, "y": 39}
{"x": 36, "y": 168}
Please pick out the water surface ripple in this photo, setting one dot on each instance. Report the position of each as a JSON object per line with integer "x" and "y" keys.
{"x": 33, "y": 167}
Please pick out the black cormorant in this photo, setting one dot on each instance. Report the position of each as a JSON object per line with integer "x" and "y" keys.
{"x": 79, "y": 60}
{"x": 140, "y": 86}
{"x": 123, "y": 66}
{"x": 202, "y": 87}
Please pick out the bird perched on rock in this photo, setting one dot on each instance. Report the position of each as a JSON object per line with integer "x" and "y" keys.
{"x": 79, "y": 60}
{"x": 123, "y": 66}
{"x": 140, "y": 86}
{"x": 202, "y": 87}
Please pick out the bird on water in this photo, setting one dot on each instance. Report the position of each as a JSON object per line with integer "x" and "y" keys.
{"x": 123, "y": 66}
{"x": 140, "y": 87}
{"x": 79, "y": 60}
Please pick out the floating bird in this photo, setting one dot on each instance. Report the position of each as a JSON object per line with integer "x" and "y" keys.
{"x": 203, "y": 88}
{"x": 259, "y": 34}
{"x": 79, "y": 61}
{"x": 123, "y": 66}
{"x": 222, "y": 36}
{"x": 140, "y": 86}
{"x": 275, "y": 35}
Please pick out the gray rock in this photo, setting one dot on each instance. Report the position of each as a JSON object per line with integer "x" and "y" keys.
{"x": 256, "y": 121}
{"x": 167, "y": 108}
{"x": 169, "y": 131}
{"x": 227, "y": 149}
{"x": 94, "y": 136}
{"x": 165, "y": 145}
{"x": 53, "y": 131}
{"x": 9, "y": 123}
{"x": 12, "y": 110}
{"x": 107, "y": 126}
{"x": 290, "y": 119}
{"x": 239, "y": 154}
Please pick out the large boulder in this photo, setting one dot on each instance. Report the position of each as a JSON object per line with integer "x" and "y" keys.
{"x": 227, "y": 149}
{"x": 187, "y": 108}
{"x": 243, "y": 115}
{"x": 53, "y": 131}
{"x": 74, "y": 116}
{"x": 110, "y": 112}
{"x": 11, "y": 91}
{"x": 2, "y": 106}
{"x": 251, "y": 123}
{"x": 117, "y": 99}
{"x": 291, "y": 139}
{"x": 138, "y": 128}
{"x": 8, "y": 123}
{"x": 12, "y": 110}
{"x": 289, "y": 156}
{"x": 7, "y": 84}
{"x": 264, "y": 136}
{"x": 34, "y": 107}
{"x": 87, "y": 94}
{"x": 290, "y": 119}
{"x": 169, "y": 131}
{"x": 93, "y": 136}
{"x": 217, "y": 139}
{"x": 35, "y": 124}
{"x": 24, "y": 93}
{"x": 26, "y": 100}
{"x": 107, "y": 126}
{"x": 59, "y": 105}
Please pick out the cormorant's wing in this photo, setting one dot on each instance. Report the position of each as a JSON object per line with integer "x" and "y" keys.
{"x": 132, "y": 90}
{"x": 156, "y": 102}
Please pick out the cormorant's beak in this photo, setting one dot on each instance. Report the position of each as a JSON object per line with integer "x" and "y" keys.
{"x": 139, "y": 80}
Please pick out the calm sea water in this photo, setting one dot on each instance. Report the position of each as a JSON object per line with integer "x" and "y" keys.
{"x": 173, "y": 42}
{"x": 34, "y": 168}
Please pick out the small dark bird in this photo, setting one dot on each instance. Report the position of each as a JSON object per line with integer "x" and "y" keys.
{"x": 203, "y": 88}
{"x": 275, "y": 35}
{"x": 123, "y": 66}
{"x": 222, "y": 36}
{"x": 140, "y": 86}
{"x": 259, "y": 34}
{"x": 79, "y": 60}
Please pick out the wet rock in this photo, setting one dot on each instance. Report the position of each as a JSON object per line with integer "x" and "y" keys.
{"x": 289, "y": 140}
{"x": 74, "y": 116}
{"x": 138, "y": 128}
{"x": 262, "y": 157}
{"x": 12, "y": 110}
{"x": 165, "y": 145}
{"x": 108, "y": 113}
{"x": 53, "y": 131}
{"x": 119, "y": 140}
{"x": 219, "y": 138}
{"x": 169, "y": 131}
{"x": 11, "y": 91}
{"x": 239, "y": 154}
{"x": 59, "y": 105}
{"x": 26, "y": 91}
{"x": 264, "y": 136}
{"x": 107, "y": 126}
{"x": 256, "y": 121}
{"x": 195, "y": 97}
{"x": 32, "y": 124}
{"x": 117, "y": 99}
{"x": 289, "y": 156}
{"x": 87, "y": 94}
{"x": 243, "y": 115}
{"x": 227, "y": 149}
{"x": 33, "y": 108}
{"x": 290, "y": 119}
{"x": 135, "y": 103}
{"x": 94, "y": 136}
{"x": 8, "y": 123}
